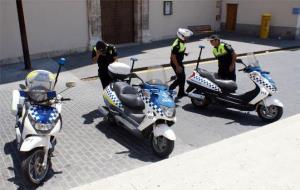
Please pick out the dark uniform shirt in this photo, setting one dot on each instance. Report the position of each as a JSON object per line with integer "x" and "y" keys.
{"x": 224, "y": 55}
{"x": 178, "y": 49}
{"x": 104, "y": 60}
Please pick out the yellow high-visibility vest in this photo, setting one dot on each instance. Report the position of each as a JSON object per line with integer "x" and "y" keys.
{"x": 220, "y": 50}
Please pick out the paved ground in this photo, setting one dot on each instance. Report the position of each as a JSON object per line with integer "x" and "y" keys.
{"x": 88, "y": 149}
{"x": 245, "y": 164}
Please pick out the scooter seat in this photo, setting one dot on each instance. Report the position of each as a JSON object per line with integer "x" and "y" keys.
{"x": 228, "y": 85}
{"x": 128, "y": 95}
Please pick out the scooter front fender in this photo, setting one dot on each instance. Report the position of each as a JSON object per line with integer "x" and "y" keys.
{"x": 272, "y": 101}
{"x": 164, "y": 130}
{"x": 33, "y": 142}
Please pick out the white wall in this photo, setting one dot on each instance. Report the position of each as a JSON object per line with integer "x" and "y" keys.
{"x": 52, "y": 26}
{"x": 10, "y": 40}
{"x": 250, "y": 11}
{"x": 185, "y": 13}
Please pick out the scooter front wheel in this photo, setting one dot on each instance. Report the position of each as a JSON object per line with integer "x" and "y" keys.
{"x": 161, "y": 146}
{"x": 32, "y": 167}
{"x": 269, "y": 114}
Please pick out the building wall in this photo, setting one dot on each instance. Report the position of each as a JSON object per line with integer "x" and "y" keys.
{"x": 52, "y": 26}
{"x": 185, "y": 13}
{"x": 283, "y": 22}
{"x": 10, "y": 41}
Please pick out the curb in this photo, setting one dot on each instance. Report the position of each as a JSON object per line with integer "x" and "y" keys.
{"x": 203, "y": 60}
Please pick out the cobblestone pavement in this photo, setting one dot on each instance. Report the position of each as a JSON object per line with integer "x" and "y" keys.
{"x": 89, "y": 149}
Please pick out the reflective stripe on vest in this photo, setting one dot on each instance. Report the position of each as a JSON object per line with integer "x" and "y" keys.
{"x": 220, "y": 50}
{"x": 181, "y": 45}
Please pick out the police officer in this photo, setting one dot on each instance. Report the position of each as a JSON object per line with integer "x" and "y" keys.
{"x": 177, "y": 55}
{"x": 104, "y": 54}
{"x": 226, "y": 58}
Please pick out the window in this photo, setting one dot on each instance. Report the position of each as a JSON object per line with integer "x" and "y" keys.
{"x": 168, "y": 8}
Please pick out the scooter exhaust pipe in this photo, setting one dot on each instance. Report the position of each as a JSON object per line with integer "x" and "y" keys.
{"x": 103, "y": 111}
{"x": 128, "y": 126}
{"x": 196, "y": 96}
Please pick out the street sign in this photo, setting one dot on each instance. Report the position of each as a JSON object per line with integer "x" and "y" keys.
{"x": 296, "y": 11}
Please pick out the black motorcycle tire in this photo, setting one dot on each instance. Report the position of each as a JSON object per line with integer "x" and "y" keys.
{"x": 200, "y": 104}
{"x": 27, "y": 158}
{"x": 166, "y": 151}
{"x": 261, "y": 113}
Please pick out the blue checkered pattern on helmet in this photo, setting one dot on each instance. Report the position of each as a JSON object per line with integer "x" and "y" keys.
{"x": 114, "y": 98}
{"x": 151, "y": 104}
{"x": 43, "y": 114}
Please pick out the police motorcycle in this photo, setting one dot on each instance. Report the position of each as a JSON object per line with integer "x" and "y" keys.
{"x": 147, "y": 109}
{"x": 37, "y": 108}
{"x": 205, "y": 88}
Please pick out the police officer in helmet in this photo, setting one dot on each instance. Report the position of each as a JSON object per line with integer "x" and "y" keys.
{"x": 177, "y": 55}
{"x": 104, "y": 54}
{"x": 226, "y": 58}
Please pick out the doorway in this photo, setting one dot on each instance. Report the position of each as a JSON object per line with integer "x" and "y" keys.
{"x": 231, "y": 17}
{"x": 117, "y": 21}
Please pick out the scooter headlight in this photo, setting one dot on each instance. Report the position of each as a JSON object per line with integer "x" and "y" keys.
{"x": 168, "y": 111}
{"x": 43, "y": 127}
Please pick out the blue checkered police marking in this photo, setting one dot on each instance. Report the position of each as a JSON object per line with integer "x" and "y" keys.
{"x": 43, "y": 114}
{"x": 153, "y": 106}
{"x": 114, "y": 98}
{"x": 263, "y": 82}
{"x": 206, "y": 83}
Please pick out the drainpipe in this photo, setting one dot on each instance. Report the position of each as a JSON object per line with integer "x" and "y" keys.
{"x": 26, "y": 55}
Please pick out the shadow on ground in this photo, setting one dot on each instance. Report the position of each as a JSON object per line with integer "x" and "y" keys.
{"x": 243, "y": 118}
{"x": 137, "y": 148}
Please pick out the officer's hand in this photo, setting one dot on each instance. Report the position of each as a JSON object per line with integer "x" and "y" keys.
{"x": 178, "y": 69}
{"x": 98, "y": 53}
{"x": 231, "y": 68}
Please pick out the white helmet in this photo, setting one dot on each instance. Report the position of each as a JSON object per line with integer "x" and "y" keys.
{"x": 183, "y": 33}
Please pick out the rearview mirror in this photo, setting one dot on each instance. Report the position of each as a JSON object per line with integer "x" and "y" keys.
{"x": 133, "y": 59}
{"x": 133, "y": 75}
{"x": 173, "y": 78}
{"x": 22, "y": 86}
{"x": 70, "y": 84}
{"x": 239, "y": 61}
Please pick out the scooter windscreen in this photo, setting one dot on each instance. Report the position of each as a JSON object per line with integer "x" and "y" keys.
{"x": 253, "y": 65}
{"x": 156, "y": 77}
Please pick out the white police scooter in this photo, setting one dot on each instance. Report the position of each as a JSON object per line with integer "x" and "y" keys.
{"x": 37, "y": 109}
{"x": 147, "y": 110}
{"x": 205, "y": 88}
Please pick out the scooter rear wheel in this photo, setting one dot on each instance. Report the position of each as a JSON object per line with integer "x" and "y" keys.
{"x": 200, "y": 103}
{"x": 269, "y": 114}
